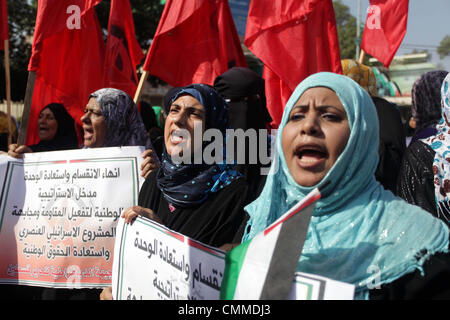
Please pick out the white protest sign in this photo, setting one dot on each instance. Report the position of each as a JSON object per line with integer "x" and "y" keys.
{"x": 156, "y": 263}
{"x": 58, "y": 215}
{"x": 153, "y": 262}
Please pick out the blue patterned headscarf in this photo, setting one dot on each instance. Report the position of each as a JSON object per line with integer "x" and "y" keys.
{"x": 188, "y": 185}
{"x": 440, "y": 143}
{"x": 359, "y": 232}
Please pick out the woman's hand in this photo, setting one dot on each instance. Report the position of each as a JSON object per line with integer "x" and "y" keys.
{"x": 106, "y": 294}
{"x": 16, "y": 151}
{"x": 149, "y": 163}
{"x": 131, "y": 213}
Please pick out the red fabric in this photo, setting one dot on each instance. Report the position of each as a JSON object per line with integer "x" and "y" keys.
{"x": 123, "y": 52}
{"x": 4, "y": 31}
{"x": 385, "y": 29}
{"x": 195, "y": 42}
{"x": 68, "y": 62}
{"x": 294, "y": 39}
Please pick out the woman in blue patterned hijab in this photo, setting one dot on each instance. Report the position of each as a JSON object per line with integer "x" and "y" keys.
{"x": 356, "y": 224}
{"x": 188, "y": 184}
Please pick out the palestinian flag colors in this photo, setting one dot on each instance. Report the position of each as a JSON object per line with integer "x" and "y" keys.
{"x": 264, "y": 267}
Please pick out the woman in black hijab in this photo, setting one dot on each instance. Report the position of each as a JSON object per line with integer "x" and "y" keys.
{"x": 199, "y": 199}
{"x": 56, "y": 132}
{"x": 243, "y": 90}
{"x": 426, "y": 103}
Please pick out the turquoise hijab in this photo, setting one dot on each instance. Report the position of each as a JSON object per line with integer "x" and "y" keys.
{"x": 359, "y": 232}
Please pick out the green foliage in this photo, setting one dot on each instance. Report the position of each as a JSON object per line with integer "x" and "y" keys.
{"x": 444, "y": 47}
{"x": 346, "y": 25}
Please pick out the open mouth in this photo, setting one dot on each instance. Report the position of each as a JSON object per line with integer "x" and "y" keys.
{"x": 310, "y": 155}
{"x": 177, "y": 136}
{"x": 88, "y": 132}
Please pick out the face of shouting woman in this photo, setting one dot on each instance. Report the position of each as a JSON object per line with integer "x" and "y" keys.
{"x": 94, "y": 125}
{"x": 315, "y": 135}
{"x": 47, "y": 125}
{"x": 186, "y": 115}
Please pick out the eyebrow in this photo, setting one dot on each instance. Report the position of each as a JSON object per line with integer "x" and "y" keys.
{"x": 321, "y": 107}
{"x": 190, "y": 107}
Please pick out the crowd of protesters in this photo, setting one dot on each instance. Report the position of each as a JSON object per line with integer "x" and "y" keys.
{"x": 385, "y": 199}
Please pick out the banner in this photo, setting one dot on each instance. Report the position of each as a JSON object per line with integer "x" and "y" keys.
{"x": 153, "y": 262}
{"x": 4, "y": 29}
{"x": 293, "y": 39}
{"x": 123, "y": 52}
{"x": 385, "y": 29}
{"x": 58, "y": 215}
{"x": 67, "y": 55}
{"x": 195, "y": 42}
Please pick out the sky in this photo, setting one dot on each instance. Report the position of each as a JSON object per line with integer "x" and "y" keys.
{"x": 428, "y": 24}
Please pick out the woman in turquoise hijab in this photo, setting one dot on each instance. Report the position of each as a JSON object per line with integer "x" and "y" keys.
{"x": 359, "y": 232}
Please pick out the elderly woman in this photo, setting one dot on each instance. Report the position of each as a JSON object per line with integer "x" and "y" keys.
{"x": 326, "y": 139}
{"x": 56, "y": 132}
{"x": 200, "y": 200}
{"x": 111, "y": 119}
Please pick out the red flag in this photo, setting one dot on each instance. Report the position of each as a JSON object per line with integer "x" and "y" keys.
{"x": 195, "y": 41}
{"x": 385, "y": 29}
{"x": 294, "y": 39}
{"x": 4, "y": 31}
{"x": 67, "y": 55}
{"x": 123, "y": 52}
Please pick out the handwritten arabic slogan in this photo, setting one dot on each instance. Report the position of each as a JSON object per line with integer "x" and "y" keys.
{"x": 58, "y": 217}
{"x": 155, "y": 263}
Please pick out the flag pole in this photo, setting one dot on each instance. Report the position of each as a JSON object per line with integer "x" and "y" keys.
{"x": 8, "y": 89}
{"x": 361, "y": 56}
{"x": 26, "y": 108}
{"x": 142, "y": 80}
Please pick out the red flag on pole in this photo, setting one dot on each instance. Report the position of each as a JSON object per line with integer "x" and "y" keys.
{"x": 67, "y": 56}
{"x": 195, "y": 42}
{"x": 4, "y": 31}
{"x": 123, "y": 52}
{"x": 385, "y": 29}
{"x": 294, "y": 39}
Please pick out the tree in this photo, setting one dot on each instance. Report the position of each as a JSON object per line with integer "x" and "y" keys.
{"x": 444, "y": 47}
{"x": 346, "y": 26}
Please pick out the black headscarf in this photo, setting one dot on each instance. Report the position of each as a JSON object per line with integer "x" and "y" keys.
{"x": 243, "y": 90}
{"x": 65, "y": 137}
{"x": 426, "y": 99}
